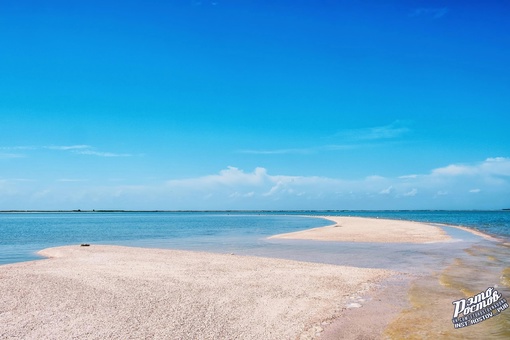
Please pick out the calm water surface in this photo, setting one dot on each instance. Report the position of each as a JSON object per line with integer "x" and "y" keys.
{"x": 23, "y": 234}
{"x": 467, "y": 265}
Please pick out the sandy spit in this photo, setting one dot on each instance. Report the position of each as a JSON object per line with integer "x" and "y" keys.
{"x": 362, "y": 229}
{"x": 111, "y": 292}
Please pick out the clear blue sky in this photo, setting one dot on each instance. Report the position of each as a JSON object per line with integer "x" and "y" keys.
{"x": 246, "y": 104}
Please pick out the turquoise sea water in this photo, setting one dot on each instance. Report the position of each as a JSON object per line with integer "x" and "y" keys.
{"x": 23, "y": 234}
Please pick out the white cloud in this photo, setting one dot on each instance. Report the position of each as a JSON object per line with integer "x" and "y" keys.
{"x": 280, "y": 151}
{"x": 102, "y": 154}
{"x": 49, "y": 147}
{"x": 386, "y": 191}
{"x": 240, "y": 195}
{"x": 71, "y": 180}
{"x": 234, "y": 188}
{"x": 233, "y": 185}
{"x": 391, "y": 131}
{"x": 228, "y": 177}
{"x": 455, "y": 170}
{"x": 67, "y": 147}
{"x": 408, "y": 176}
{"x": 11, "y": 155}
{"x": 411, "y": 193}
{"x": 374, "y": 178}
{"x": 277, "y": 188}
{"x": 496, "y": 166}
{"x": 499, "y": 166}
{"x": 80, "y": 149}
{"x": 18, "y": 147}
{"x": 302, "y": 151}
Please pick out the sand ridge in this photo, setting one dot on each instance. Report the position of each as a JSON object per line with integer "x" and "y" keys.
{"x": 362, "y": 229}
{"x": 101, "y": 292}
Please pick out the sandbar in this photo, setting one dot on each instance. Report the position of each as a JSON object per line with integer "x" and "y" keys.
{"x": 105, "y": 292}
{"x": 362, "y": 229}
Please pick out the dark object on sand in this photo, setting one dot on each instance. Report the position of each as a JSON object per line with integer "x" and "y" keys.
{"x": 85, "y": 245}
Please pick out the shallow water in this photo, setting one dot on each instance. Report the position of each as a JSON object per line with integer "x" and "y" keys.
{"x": 23, "y": 234}
{"x": 483, "y": 265}
{"x": 442, "y": 272}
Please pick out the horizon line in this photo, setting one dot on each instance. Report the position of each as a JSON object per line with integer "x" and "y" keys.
{"x": 225, "y": 210}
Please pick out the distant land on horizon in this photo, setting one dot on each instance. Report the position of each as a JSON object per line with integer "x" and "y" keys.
{"x": 232, "y": 210}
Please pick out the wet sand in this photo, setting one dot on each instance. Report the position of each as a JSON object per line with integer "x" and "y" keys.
{"x": 430, "y": 310}
{"x": 418, "y": 305}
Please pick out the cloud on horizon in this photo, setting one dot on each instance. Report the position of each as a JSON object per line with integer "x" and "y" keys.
{"x": 488, "y": 183}
{"x": 236, "y": 186}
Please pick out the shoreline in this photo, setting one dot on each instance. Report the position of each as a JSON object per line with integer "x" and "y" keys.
{"x": 251, "y": 297}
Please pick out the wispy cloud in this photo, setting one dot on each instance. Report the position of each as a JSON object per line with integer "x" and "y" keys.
{"x": 49, "y": 147}
{"x": 280, "y": 151}
{"x": 303, "y": 151}
{"x": 408, "y": 176}
{"x": 68, "y": 147}
{"x": 11, "y": 155}
{"x": 348, "y": 139}
{"x": 101, "y": 154}
{"x": 386, "y": 191}
{"x": 81, "y": 149}
{"x": 434, "y": 13}
{"x": 16, "y": 148}
{"x": 67, "y": 180}
{"x": 14, "y": 180}
{"x": 394, "y": 130}
{"x": 411, "y": 193}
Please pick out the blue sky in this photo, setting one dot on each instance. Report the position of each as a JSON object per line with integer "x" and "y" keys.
{"x": 254, "y": 104}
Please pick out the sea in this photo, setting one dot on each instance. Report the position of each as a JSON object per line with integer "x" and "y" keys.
{"x": 446, "y": 272}
{"x": 22, "y": 234}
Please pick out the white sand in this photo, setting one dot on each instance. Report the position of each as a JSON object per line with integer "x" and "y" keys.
{"x": 361, "y": 229}
{"x": 109, "y": 292}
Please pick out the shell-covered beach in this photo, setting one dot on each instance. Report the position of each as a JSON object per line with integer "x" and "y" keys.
{"x": 101, "y": 291}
